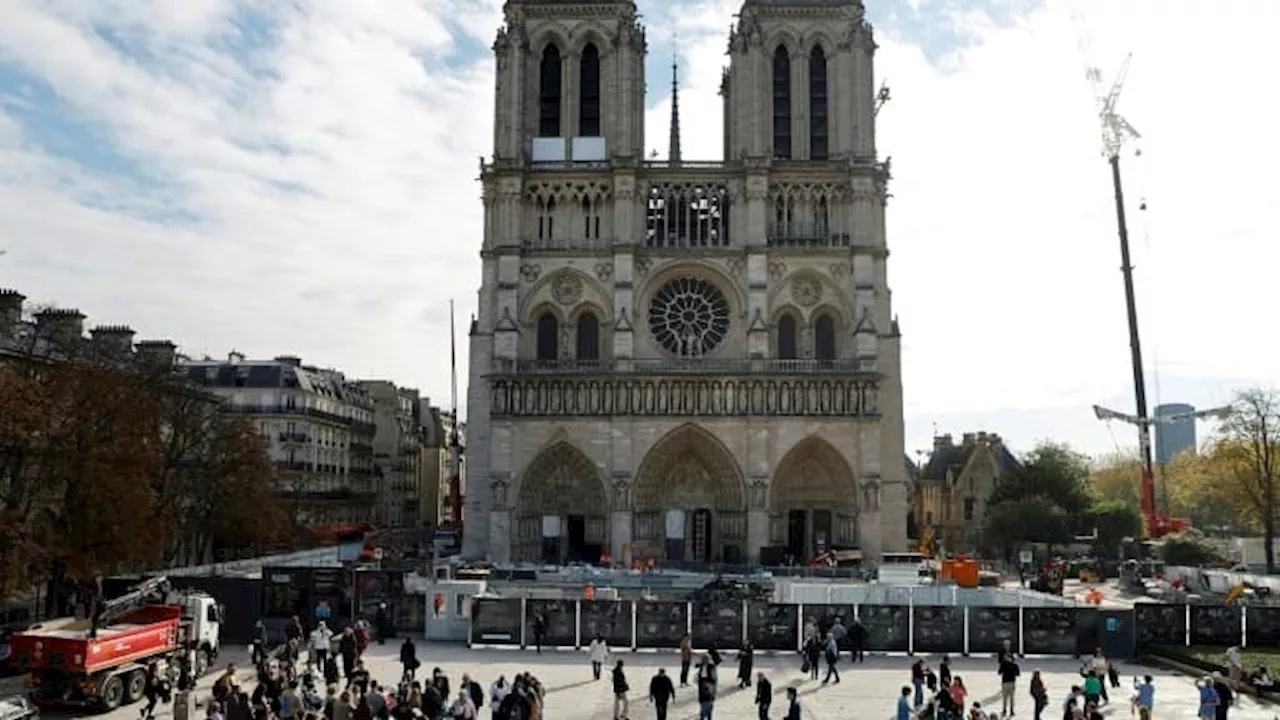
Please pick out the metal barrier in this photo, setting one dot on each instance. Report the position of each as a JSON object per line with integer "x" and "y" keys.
{"x": 891, "y": 628}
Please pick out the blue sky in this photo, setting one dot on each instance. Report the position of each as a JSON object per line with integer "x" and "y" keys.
{"x": 297, "y": 177}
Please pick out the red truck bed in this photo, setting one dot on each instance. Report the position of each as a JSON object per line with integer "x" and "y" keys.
{"x": 64, "y": 645}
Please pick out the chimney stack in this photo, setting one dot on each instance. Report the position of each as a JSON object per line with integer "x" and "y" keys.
{"x": 10, "y": 311}
{"x": 62, "y": 327}
{"x": 970, "y": 438}
{"x": 291, "y": 360}
{"x": 112, "y": 341}
{"x": 158, "y": 353}
{"x": 941, "y": 441}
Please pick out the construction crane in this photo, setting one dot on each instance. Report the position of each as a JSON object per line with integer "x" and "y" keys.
{"x": 1116, "y": 131}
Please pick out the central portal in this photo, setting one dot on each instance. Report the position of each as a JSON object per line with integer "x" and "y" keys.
{"x": 689, "y": 502}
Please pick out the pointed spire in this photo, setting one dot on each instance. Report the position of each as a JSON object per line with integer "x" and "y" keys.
{"x": 673, "y": 149}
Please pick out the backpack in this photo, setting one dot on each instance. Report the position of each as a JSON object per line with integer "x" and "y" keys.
{"x": 286, "y": 705}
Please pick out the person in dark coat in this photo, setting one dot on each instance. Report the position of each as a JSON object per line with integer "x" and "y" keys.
{"x": 382, "y": 624}
{"x": 409, "y": 659}
{"x": 1226, "y": 698}
{"x": 746, "y": 659}
{"x": 349, "y": 651}
{"x": 764, "y": 696}
{"x": 858, "y": 641}
{"x": 620, "y": 689}
{"x": 661, "y": 692}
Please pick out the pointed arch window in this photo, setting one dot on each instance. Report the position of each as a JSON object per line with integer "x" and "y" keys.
{"x": 548, "y": 338}
{"x": 549, "y": 93}
{"x": 818, "y": 123}
{"x": 588, "y": 337}
{"x": 824, "y": 338}
{"x": 782, "y": 103}
{"x": 786, "y": 338}
{"x": 589, "y": 92}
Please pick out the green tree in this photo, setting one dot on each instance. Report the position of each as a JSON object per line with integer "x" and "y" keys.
{"x": 1114, "y": 520}
{"x": 1251, "y": 435}
{"x": 1053, "y": 472}
{"x": 1190, "y": 548}
{"x": 1033, "y": 518}
{"x": 1117, "y": 477}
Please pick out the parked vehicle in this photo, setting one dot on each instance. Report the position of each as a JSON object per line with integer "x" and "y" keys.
{"x": 102, "y": 661}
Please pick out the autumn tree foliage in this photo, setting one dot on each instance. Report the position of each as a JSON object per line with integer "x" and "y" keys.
{"x": 1230, "y": 485}
{"x": 116, "y": 466}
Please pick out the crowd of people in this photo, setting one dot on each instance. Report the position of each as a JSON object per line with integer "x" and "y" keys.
{"x": 322, "y": 675}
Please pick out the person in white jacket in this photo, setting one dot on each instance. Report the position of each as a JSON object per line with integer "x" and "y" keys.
{"x": 498, "y": 692}
{"x": 319, "y": 639}
{"x": 598, "y": 651}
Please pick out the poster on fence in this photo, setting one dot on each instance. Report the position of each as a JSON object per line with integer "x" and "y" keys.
{"x": 496, "y": 622}
{"x": 1049, "y": 631}
{"x": 989, "y": 627}
{"x": 661, "y": 624}
{"x": 1160, "y": 625}
{"x": 773, "y": 627}
{"x": 1263, "y": 626}
{"x": 560, "y": 620}
{"x": 1216, "y": 625}
{"x": 938, "y": 629}
{"x": 717, "y": 624}
{"x": 610, "y": 619}
{"x": 888, "y": 627}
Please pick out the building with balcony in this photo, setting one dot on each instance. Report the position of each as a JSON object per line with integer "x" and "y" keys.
{"x": 689, "y": 361}
{"x": 954, "y": 487}
{"x": 319, "y": 427}
{"x": 438, "y": 498}
{"x": 398, "y": 453}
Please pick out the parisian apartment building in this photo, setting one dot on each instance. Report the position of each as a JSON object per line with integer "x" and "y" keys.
{"x": 319, "y": 427}
{"x": 438, "y": 501}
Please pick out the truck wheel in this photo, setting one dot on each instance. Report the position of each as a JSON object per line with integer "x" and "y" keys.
{"x": 134, "y": 685}
{"x": 112, "y": 693}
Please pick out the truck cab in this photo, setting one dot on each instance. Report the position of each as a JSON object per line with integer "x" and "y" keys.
{"x": 203, "y": 616}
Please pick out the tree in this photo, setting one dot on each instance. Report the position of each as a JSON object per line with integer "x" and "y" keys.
{"x": 1053, "y": 471}
{"x": 1114, "y": 520}
{"x": 1032, "y": 518}
{"x": 1249, "y": 451}
{"x": 1118, "y": 478}
{"x": 1190, "y": 548}
{"x": 109, "y": 465}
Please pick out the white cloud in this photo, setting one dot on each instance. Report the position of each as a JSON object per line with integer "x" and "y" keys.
{"x": 333, "y": 181}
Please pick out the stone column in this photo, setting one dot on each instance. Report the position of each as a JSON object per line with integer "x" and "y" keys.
{"x": 757, "y": 518}
{"x": 620, "y": 542}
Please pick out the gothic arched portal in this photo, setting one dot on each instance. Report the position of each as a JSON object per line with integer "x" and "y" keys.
{"x": 813, "y": 502}
{"x": 689, "y": 499}
{"x": 561, "y": 510}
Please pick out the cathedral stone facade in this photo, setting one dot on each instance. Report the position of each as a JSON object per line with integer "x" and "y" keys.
{"x": 684, "y": 360}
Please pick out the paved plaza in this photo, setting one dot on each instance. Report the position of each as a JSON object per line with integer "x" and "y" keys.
{"x": 867, "y": 690}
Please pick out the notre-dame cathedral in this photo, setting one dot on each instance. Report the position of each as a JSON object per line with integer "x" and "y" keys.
{"x": 685, "y": 360}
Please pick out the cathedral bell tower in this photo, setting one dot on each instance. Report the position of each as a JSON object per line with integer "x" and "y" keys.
{"x": 570, "y": 82}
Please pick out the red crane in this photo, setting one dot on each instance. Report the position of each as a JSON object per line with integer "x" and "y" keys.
{"x": 1115, "y": 132}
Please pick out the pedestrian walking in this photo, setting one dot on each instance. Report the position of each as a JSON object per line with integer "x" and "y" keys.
{"x": 661, "y": 692}
{"x": 598, "y": 651}
{"x": 686, "y": 657}
{"x": 833, "y": 657}
{"x": 764, "y": 696}
{"x": 620, "y": 689}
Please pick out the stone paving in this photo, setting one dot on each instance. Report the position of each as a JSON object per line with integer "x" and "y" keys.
{"x": 868, "y": 690}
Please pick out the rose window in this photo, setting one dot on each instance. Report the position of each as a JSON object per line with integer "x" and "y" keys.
{"x": 689, "y": 317}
